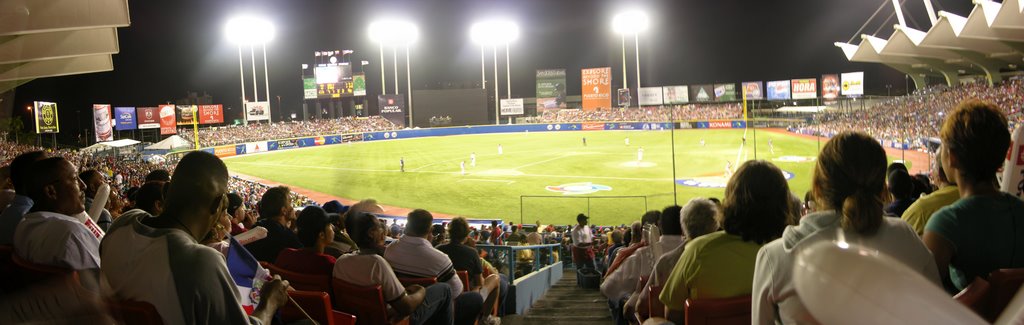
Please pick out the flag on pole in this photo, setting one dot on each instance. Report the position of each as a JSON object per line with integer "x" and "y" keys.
{"x": 344, "y": 52}
{"x": 247, "y": 273}
{"x": 366, "y": 62}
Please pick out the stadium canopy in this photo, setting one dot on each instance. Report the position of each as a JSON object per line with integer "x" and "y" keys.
{"x": 48, "y": 38}
{"x": 990, "y": 39}
{"x": 800, "y": 109}
{"x": 171, "y": 143}
{"x": 103, "y": 146}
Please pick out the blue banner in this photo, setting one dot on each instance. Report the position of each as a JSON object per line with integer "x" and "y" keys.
{"x": 332, "y": 139}
{"x": 271, "y": 145}
{"x": 240, "y": 149}
{"x": 306, "y": 142}
{"x": 125, "y": 117}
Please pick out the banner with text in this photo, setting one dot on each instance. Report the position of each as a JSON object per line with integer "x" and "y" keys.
{"x": 725, "y": 92}
{"x": 46, "y": 117}
{"x": 149, "y": 117}
{"x": 186, "y": 114}
{"x": 359, "y": 85}
{"x": 853, "y": 83}
{"x": 167, "y": 125}
{"x": 597, "y": 88}
{"x": 257, "y": 111}
{"x": 512, "y": 106}
{"x": 392, "y": 108}
{"x": 778, "y": 90}
{"x": 830, "y": 86}
{"x": 550, "y": 89}
{"x": 753, "y": 90}
{"x": 101, "y": 122}
{"x": 308, "y": 88}
{"x": 702, "y": 93}
{"x": 211, "y": 114}
{"x": 676, "y": 95}
{"x": 804, "y": 88}
{"x": 650, "y": 96}
{"x": 125, "y": 117}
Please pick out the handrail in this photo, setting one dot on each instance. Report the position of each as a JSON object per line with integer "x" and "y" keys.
{"x": 508, "y": 255}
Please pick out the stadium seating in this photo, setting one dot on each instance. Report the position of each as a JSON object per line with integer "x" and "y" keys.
{"x": 975, "y": 295}
{"x": 29, "y": 273}
{"x": 133, "y": 312}
{"x": 366, "y": 303}
{"x": 317, "y": 305}
{"x": 1004, "y": 284}
{"x": 464, "y": 276}
{"x": 426, "y": 282}
{"x": 302, "y": 281}
{"x": 728, "y": 311}
{"x": 655, "y": 308}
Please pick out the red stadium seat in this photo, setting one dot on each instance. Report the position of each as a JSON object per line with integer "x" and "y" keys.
{"x": 133, "y": 312}
{"x": 318, "y": 305}
{"x": 975, "y": 295}
{"x": 30, "y": 273}
{"x": 1005, "y": 283}
{"x": 302, "y": 281}
{"x": 464, "y": 276}
{"x": 728, "y": 311}
{"x": 656, "y": 308}
{"x": 366, "y": 303}
{"x": 426, "y": 282}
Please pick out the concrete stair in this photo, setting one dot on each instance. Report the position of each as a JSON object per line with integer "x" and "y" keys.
{"x": 564, "y": 303}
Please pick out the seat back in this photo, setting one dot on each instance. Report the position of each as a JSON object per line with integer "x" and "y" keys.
{"x": 975, "y": 295}
{"x": 318, "y": 305}
{"x": 133, "y": 312}
{"x": 29, "y": 273}
{"x": 464, "y": 276}
{"x": 7, "y": 267}
{"x": 365, "y": 302}
{"x": 1004, "y": 284}
{"x": 302, "y": 281}
{"x": 726, "y": 311}
{"x": 655, "y": 307}
{"x": 426, "y": 282}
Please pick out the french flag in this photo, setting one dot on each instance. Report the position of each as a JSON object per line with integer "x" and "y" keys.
{"x": 247, "y": 273}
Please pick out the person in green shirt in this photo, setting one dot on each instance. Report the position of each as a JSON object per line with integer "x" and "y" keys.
{"x": 984, "y": 230}
{"x": 917, "y": 214}
{"x": 721, "y": 264}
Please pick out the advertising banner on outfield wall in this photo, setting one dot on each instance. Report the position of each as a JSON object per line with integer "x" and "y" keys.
{"x": 359, "y": 85}
{"x": 125, "y": 118}
{"x": 308, "y": 88}
{"x": 550, "y": 89}
{"x": 46, "y": 117}
{"x": 675, "y": 95}
{"x": 257, "y": 111}
{"x": 512, "y": 106}
{"x": 753, "y": 90}
{"x": 392, "y": 108}
{"x": 101, "y": 122}
{"x": 650, "y": 96}
{"x": 804, "y": 88}
{"x": 590, "y": 126}
{"x": 211, "y": 114}
{"x": 167, "y": 125}
{"x": 702, "y": 93}
{"x": 623, "y": 97}
{"x": 224, "y": 151}
{"x": 186, "y": 113}
{"x": 254, "y": 147}
{"x": 597, "y": 88}
{"x": 725, "y": 92}
{"x": 149, "y": 117}
{"x": 853, "y": 83}
{"x": 778, "y": 90}
{"x": 830, "y": 86}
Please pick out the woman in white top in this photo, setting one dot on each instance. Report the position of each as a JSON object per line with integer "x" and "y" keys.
{"x": 849, "y": 190}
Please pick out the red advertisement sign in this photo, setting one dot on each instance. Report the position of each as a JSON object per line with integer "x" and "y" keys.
{"x": 719, "y": 124}
{"x": 211, "y": 114}
{"x": 149, "y": 117}
{"x": 167, "y": 120}
{"x": 597, "y": 88}
{"x": 589, "y": 126}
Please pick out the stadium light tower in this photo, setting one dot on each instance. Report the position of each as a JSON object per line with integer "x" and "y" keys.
{"x": 395, "y": 33}
{"x": 493, "y": 33}
{"x": 627, "y": 23}
{"x": 251, "y": 30}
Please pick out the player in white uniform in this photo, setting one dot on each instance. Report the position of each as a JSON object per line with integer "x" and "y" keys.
{"x": 728, "y": 169}
{"x": 472, "y": 159}
{"x": 627, "y": 141}
{"x": 462, "y": 166}
{"x": 499, "y": 149}
{"x": 640, "y": 154}
{"x": 701, "y": 142}
{"x": 771, "y": 146}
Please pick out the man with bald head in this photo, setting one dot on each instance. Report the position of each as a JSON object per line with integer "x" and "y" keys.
{"x": 160, "y": 260}
{"x": 49, "y": 234}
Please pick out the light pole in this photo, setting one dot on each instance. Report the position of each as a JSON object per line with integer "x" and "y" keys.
{"x": 249, "y": 30}
{"x": 494, "y": 33}
{"x": 631, "y": 23}
{"x": 395, "y": 33}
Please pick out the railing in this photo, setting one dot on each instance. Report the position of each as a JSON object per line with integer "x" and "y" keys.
{"x": 518, "y": 261}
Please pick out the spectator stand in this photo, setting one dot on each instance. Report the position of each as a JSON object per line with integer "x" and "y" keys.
{"x": 531, "y": 270}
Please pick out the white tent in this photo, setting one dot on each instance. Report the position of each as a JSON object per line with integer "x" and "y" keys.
{"x": 103, "y": 146}
{"x": 171, "y": 143}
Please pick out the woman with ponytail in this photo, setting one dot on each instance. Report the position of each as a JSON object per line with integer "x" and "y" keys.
{"x": 848, "y": 189}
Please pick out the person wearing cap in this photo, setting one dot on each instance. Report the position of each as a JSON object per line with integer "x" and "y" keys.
{"x": 316, "y": 231}
{"x": 239, "y": 214}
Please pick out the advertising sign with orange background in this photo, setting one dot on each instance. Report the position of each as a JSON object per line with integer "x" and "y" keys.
{"x": 597, "y": 88}
{"x": 211, "y": 114}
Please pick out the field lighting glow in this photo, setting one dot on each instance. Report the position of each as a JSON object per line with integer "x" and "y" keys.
{"x": 630, "y": 22}
{"x": 247, "y": 30}
{"x": 394, "y": 32}
{"x": 494, "y": 32}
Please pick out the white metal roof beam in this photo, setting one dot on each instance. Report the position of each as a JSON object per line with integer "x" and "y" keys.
{"x": 57, "y": 67}
{"x": 37, "y": 16}
{"x": 56, "y": 45}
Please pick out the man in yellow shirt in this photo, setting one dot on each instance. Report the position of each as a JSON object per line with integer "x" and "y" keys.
{"x": 917, "y": 214}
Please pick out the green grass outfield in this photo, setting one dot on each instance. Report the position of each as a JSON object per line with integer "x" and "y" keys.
{"x": 530, "y": 163}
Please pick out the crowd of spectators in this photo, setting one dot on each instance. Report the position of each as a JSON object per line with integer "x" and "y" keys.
{"x": 255, "y": 131}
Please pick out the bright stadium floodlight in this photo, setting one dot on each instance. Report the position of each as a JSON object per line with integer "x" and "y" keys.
{"x": 395, "y": 33}
{"x": 251, "y": 30}
{"x": 630, "y": 22}
{"x": 493, "y": 33}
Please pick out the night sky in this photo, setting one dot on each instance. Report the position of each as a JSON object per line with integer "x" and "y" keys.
{"x": 173, "y": 47}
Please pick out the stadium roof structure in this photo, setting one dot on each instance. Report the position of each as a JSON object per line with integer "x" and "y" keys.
{"x": 48, "y": 38}
{"x": 988, "y": 40}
